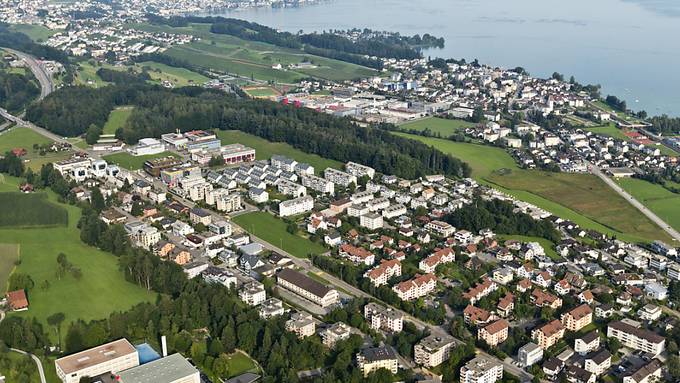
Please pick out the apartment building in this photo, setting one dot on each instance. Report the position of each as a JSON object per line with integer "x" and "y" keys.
{"x": 318, "y": 184}
{"x": 334, "y": 333}
{"x": 374, "y": 358}
{"x": 111, "y": 357}
{"x": 301, "y": 324}
{"x": 529, "y": 354}
{"x": 481, "y": 369}
{"x": 480, "y": 290}
{"x": 357, "y": 255}
{"x": 416, "y": 287}
{"x": 548, "y": 334}
{"x": 228, "y": 202}
{"x": 429, "y": 264}
{"x": 382, "y": 318}
{"x": 577, "y": 318}
{"x": 307, "y": 288}
{"x": 440, "y": 228}
{"x": 598, "y": 362}
{"x": 649, "y": 373}
{"x": 636, "y": 338}
{"x": 252, "y": 293}
{"x": 296, "y": 206}
{"x": 387, "y": 269}
{"x": 394, "y": 211}
{"x": 359, "y": 170}
{"x": 587, "y": 343}
{"x": 371, "y": 221}
{"x": 494, "y": 333}
{"x": 432, "y": 350}
{"x": 339, "y": 177}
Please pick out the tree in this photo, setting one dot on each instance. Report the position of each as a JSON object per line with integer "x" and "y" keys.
{"x": 215, "y": 161}
{"x": 477, "y": 115}
{"x": 92, "y": 134}
{"x": 55, "y": 320}
{"x": 137, "y": 209}
{"x": 20, "y": 281}
{"x": 673, "y": 365}
{"x": 614, "y": 345}
{"x": 97, "y": 200}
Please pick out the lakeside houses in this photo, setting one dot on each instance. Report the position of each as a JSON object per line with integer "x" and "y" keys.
{"x": 418, "y": 286}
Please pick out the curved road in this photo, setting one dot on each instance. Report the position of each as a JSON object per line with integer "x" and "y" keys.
{"x": 40, "y": 73}
{"x": 37, "y": 362}
{"x": 638, "y": 205}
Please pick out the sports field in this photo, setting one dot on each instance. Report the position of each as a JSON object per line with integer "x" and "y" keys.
{"x": 581, "y": 198}
{"x": 102, "y": 288}
{"x": 438, "y": 126}
{"x": 265, "y": 149}
{"x": 117, "y": 119}
{"x": 661, "y": 201}
{"x": 130, "y": 162}
{"x": 254, "y": 59}
{"x": 261, "y": 91}
{"x": 273, "y": 230}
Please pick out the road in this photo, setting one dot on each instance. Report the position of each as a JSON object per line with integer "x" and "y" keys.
{"x": 39, "y": 71}
{"x": 305, "y": 264}
{"x": 637, "y": 204}
{"x": 37, "y": 362}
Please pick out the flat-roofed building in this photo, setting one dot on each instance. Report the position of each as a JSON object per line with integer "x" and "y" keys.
{"x": 296, "y": 206}
{"x": 359, "y": 170}
{"x": 172, "y": 369}
{"x": 433, "y": 350}
{"x": 383, "y": 318}
{"x": 334, "y": 333}
{"x": 529, "y": 354}
{"x": 481, "y": 369}
{"x": 307, "y": 288}
{"x": 440, "y": 228}
{"x": 339, "y": 177}
{"x": 318, "y": 184}
{"x": 636, "y": 338}
{"x": 111, "y": 357}
{"x": 371, "y": 221}
{"x": 374, "y": 358}
{"x": 301, "y": 324}
{"x": 237, "y": 153}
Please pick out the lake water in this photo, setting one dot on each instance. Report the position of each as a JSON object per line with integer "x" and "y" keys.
{"x": 630, "y": 47}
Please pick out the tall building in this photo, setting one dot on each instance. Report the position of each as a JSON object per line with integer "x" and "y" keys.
{"x": 481, "y": 369}
{"x": 548, "y": 334}
{"x": 529, "y": 354}
{"x": 432, "y": 350}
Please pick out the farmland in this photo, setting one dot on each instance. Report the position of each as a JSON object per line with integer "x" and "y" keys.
{"x": 581, "y": 198}
{"x": 661, "y": 201}
{"x": 30, "y": 210}
{"x": 438, "y": 126}
{"x": 36, "y": 32}
{"x": 130, "y": 162}
{"x": 265, "y": 149}
{"x": 26, "y": 138}
{"x": 9, "y": 255}
{"x": 77, "y": 298}
{"x": 254, "y": 59}
{"x": 117, "y": 119}
{"x": 176, "y": 76}
{"x": 273, "y": 230}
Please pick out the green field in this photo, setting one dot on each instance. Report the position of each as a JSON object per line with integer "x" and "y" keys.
{"x": 581, "y": 198}
{"x": 661, "y": 201}
{"x": 117, "y": 119}
{"x": 130, "y": 162}
{"x": 609, "y": 130}
{"x": 177, "y": 76}
{"x": 30, "y": 210}
{"x": 86, "y": 74}
{"x": 240, "y": 363}
{"x": 35, "y": 32}
{"x": 16, "y": 367}
{"x": 265, "y": 149}
{"x": 273, "y": 230}
{"x": 250, "y": 58}
{"x": 21, "y": 138}
{"x": 261, "y": 92}
{"x": 9, "y": 254}
{"x": 102, "y": 288}
{"x": 438, "y": 126}
{"x": 549, "y": 246}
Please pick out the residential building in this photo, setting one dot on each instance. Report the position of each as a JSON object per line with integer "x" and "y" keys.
{"x": 111, "y": 357}
{"x": 301, "y": 324}
{"x": 649, "y": 373}
{"x": 318, "y": 184}
{"x": 480, "y": 290}
{"x": 529, "y": 354}
{"x": 198, "y": 215}
{"x": 170, "y": 369}
{"x": 296, "y": 206}
{"x": 475, "y": 315}
{"x": 548, "y": 334}
{"x": 271, "y": 308}
{"x": 252, "y": 293}
{"x": 380, "y": 274}
{"x": 374, "y": 358}
{"x": 307, "y": 288}
{"x": 649, "y": 312}
{"x": 576, "y": 374}
{"x": 382, "y": 318}
{"x": 359, "y": 170}
{"x": 441, "y": 228}
{"x": 587, "y": 343}
{"x": 339, "y": 177}
{"x": 429, "y": 264}
{"x": 481, "y": 369}
{"x": 598, "y": 362}
{"x": 334, "y": 333}
{"x": 494, "y": 333}
{"x": 237, "y": 153}
{"x": 417, "y": 287}
{"x": 357, "y": 255}
{"x": 432, "y": 350}
{"x": 577, "y": 318}
{"x": 371, "y": 221}
{"x": 636, "y": 338}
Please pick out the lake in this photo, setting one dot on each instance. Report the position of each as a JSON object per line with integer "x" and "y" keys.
{"x": 630, "y": 47}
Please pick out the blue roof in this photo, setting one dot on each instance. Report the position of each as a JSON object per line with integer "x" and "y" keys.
{"x": 146, "y": 353}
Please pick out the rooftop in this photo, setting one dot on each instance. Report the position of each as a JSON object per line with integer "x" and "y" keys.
{"x": 169, "y": 369}
{"x": 94, "y": 356}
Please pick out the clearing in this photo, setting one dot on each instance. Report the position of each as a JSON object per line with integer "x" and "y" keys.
{"x": 264, "y": 149}
{"x": 176, "y": 76}
{"x": 438, "y": 126}
{"x": 78, "y": 299}
{"x": 117, "y": 119}
{"x": 36, "y": 32}
{"x": 273, "y": 230}
{"x": 240, "y": 363}
{"x": 130, "y": 162}
{"x": 581, "y": 198}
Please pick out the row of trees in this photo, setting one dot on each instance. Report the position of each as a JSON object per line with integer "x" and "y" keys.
{"x": 161, "y": 111}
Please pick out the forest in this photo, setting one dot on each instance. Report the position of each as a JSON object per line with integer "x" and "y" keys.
{"x": 665, "y": 125}
{"x": 158, "y": 111}
{"x": 17, "y": 90}
{"x": 23, "y": 43}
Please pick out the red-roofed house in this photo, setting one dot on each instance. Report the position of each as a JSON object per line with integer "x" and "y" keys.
{"x": 357, "y": 254}
{"x": 417, "y": 287}
{"x": 17, "y": 300}
{"x": 380, "y": 274}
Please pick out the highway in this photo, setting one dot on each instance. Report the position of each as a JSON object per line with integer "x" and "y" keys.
{"x": 637, "y": 204}
{"x": 39, "y": 71}
{"x": 304, "y": 264}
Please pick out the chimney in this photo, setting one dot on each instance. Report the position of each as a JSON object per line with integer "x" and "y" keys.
{"x": 164, "y": 345}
